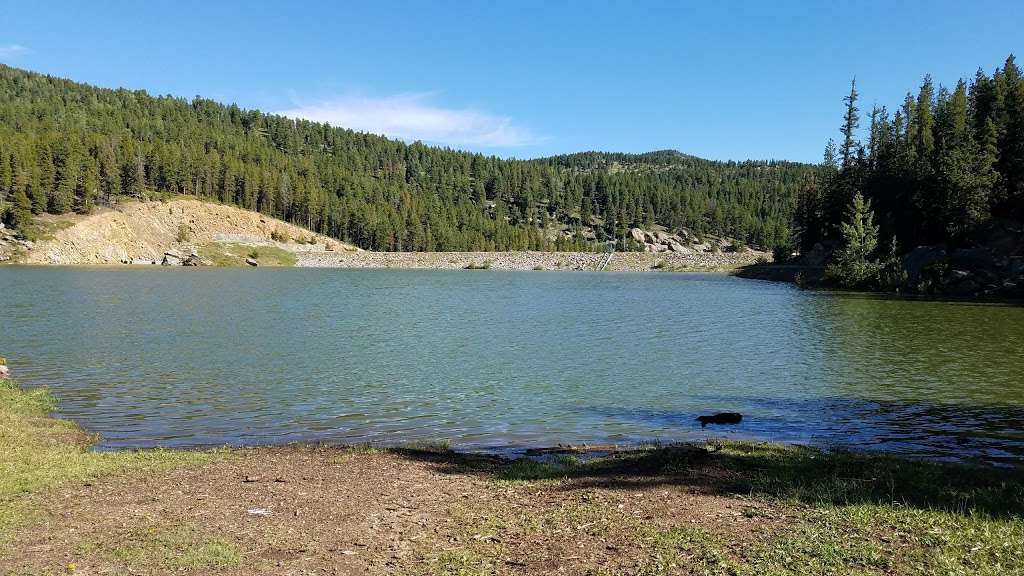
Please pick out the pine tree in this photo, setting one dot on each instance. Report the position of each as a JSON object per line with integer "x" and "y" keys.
{"x": 924, "y": 126}
{"x": 852, "y": 267}
{"x": 964, "y": 169}
{"x": 21, "y": 215}
{"x": 851, "y": 121}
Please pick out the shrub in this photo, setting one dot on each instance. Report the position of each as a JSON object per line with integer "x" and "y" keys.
{"x": 279, "y": 236}
{"x": 184, "y": 233}
{"x": 781, "y": 253}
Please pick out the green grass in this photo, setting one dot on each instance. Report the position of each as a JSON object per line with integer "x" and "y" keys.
{"x": 485, "y": 265}
{"x": 234, "y": 254}
{"x": 807, "y": 475}
{"x": 40, "y": 230}
{"x": 843, "y": 513}
{"x": 42, "y": 453}
{"x": 177, "y": 548}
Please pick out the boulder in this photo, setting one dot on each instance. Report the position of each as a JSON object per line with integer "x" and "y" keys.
{"x": 251, "y": 262}
{"x": 972, "y": 259}
{"x": 816, "y": 256}
{"x": 965, "y": 288}
{"x": 637, "y": 234}
{"x": 193, "y": 260}
{"x": 650, "y": 238}
{"x": 915, "y": 261}
{"x": 171, "y": 258}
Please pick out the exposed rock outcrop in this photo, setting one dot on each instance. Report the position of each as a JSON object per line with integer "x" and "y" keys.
{"x": 682, "y": 242}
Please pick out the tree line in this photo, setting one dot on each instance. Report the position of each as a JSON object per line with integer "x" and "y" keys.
{"x": 66, "y": 146}
{"x": 938, "y": 170}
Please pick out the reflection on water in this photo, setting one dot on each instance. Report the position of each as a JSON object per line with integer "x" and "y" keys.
{"x": 500, "y": 360}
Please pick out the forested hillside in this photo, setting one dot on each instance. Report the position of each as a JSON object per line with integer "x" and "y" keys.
{"x": 941, "y": 170}
{"x": 66, "y": 146}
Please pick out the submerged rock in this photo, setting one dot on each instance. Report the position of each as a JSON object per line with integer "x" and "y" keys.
{"x": 720, "y": 418}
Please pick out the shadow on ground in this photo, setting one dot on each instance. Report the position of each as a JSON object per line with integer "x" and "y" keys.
{"x": 795, "y": 473}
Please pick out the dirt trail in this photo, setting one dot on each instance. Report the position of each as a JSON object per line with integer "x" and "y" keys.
{"x": 145, "y": 230}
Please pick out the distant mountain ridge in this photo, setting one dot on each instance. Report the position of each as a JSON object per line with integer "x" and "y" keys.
{"x": 67, "y": 146}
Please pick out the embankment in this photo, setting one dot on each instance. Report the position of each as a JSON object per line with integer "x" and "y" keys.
{"x": 143, "y": 232}
{"x": 620, "y": 261}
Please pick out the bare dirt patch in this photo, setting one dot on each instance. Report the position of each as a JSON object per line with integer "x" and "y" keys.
{"x": 321, "y": 510}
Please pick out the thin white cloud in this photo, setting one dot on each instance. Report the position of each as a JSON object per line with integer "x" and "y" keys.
{"x": 412, "y": 117}
{"x": 12, "y": 51}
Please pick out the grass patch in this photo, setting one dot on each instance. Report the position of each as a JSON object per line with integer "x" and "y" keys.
{"x": 805, "y": 475}
{"x": 485, "y": 265}
{"x": 233, "y": 254}
{"x": 847, "y": 513}
{"x": 41, "y": 230}
{"x": 663, "y": 266}
{"x": 177, "y": 548}
{"x": 425, "y": 446}
{"x": 41, "y": 453}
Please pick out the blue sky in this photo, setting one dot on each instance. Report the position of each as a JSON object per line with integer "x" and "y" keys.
{"x": 724, "y": 80}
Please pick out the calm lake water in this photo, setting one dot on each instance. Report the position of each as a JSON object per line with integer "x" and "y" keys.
{"x": 504, "y": 360}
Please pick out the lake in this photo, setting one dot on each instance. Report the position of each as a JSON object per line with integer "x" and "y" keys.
{"x": 502, "y": 361}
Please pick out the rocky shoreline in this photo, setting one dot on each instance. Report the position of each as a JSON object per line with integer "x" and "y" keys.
{"x": 579, "y": 261}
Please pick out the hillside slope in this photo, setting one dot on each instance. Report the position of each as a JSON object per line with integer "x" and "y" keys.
{"x": 136, "y": 231}
{"x": 66, "y": 146}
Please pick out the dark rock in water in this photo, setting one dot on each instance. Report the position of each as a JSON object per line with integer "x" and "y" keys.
{"x": 721, "y": 418}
